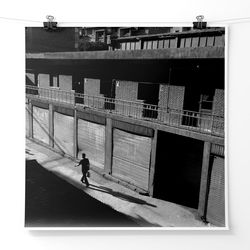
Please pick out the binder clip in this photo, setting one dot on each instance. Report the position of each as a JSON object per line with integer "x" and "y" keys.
{"x": 50, "y": 25}
{"x": 200, "y": 24}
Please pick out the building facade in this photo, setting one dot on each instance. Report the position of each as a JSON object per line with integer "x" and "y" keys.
{"x": 147, "y": 109}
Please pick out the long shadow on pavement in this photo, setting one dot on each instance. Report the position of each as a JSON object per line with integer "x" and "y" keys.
{"x": 120, "y": 195}
{"x": 53, "y": 202}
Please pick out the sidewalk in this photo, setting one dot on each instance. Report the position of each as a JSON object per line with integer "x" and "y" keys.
{"x": 146, "y": 211}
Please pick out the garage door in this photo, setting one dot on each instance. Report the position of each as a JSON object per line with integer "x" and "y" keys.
{"x": 63, "y": 133}
{"x": 216, "y": 197}
{"x": 131, "y": 158}
{"x": 91, "y": 141}
{"x": 41, "y": 124}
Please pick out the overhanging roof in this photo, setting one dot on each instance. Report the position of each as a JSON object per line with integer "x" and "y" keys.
{"x": 171, "y": 53}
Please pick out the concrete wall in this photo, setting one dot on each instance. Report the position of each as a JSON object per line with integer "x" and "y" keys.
{"x": 92, "y": 89}
{"x": 65, "y": 82}
{"x": 43, "y": 81}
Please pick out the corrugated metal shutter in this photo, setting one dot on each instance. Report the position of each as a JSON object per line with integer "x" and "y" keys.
{"x": 41, "y": 124}
{"x": 172, "y": 97}
{"x": 131, "y": 158}
{"x": 216, "y": 196}
{"x": 91, "y": 141}
{"x": 63, "y": 133}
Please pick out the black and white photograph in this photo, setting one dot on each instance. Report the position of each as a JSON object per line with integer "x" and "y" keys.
{"x": 125, "y": 127}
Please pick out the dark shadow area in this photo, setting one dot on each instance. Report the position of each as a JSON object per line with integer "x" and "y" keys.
{"x": 27, "y": 151}
{"x": 178, "y": 169}
{"x": 52, "y": 202}
{"x": 120, "y": 195}
{"x": 45, "y": 130}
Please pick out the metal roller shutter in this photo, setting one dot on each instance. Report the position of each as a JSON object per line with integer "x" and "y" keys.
{"x": 131, "y": 158}
{"x": 91, "y": 141}
{"x": 63, "y": 133}
{"x": 216, "y": 196}
{"x": 41, "y": 124}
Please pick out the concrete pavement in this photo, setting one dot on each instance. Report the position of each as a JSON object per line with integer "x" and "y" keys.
{"x": 144, "y": 210}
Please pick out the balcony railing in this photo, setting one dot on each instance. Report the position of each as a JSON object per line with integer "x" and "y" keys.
{"x": 185, "y": 119}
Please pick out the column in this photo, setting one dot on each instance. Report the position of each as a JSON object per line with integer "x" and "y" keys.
{"x": 75, "y": 135}
{"x": 51, "y": 125}
{"x": 152, "y": 164}
{"x": 108, "y": 146}
{"x": 30, "y": 107}
{"x": 204, "y": 187}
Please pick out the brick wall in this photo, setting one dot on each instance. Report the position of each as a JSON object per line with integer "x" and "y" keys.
{"x": 171, "y": 97}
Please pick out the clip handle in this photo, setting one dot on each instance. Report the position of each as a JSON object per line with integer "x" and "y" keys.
{"x": 199, "y": 24}
{"x": 50, "y": 25}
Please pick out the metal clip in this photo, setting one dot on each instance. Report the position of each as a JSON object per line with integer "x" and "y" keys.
{"x": 50, "y": 25}
{"x": 199, "y": 24}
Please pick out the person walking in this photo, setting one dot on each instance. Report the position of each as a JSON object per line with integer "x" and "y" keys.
{"x": 85, "y": 168}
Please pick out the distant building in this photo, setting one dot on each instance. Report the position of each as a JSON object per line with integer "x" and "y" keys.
{"x": 40, "y": 40}
{"x": 136, "y": 38}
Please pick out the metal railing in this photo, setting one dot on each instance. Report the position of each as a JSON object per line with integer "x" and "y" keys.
{"x": 189, "y": 120}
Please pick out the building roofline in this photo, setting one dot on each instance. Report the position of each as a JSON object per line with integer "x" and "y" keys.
{"x": 171, "y": 53}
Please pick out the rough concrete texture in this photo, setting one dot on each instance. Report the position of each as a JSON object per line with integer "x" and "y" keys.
{"x": 144, "y": 210}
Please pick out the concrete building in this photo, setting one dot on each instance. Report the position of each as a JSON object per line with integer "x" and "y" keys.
{"x": 148, "y": 112}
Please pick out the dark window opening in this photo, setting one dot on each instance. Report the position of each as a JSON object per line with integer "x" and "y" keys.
{"x": 149, "y": 93}
{"x": 54, "y": 81}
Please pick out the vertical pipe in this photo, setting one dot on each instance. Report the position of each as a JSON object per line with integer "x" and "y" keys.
{"x": 108, "y": 147}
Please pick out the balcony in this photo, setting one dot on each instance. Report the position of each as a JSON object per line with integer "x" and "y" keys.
{"x": 189, "y": 120}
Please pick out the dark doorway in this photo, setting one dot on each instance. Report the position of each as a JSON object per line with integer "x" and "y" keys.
{"x": 149, "y": 93}
{"x": 78, "y": 83}
{"x": 178, "y": 169}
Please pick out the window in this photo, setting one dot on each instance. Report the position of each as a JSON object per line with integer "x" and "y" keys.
{"x": 125, "y": 32}
{"x": 100, "y": 36}
{"x": 54, "y": 81}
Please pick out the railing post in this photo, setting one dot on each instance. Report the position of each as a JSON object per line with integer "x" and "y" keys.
{"x": 75, "y": 135}
{"x": 108, "y": 146}
{"x": 152, "y": 164}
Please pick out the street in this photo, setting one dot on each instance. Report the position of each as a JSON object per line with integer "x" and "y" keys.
{"x": 52, "y": 202}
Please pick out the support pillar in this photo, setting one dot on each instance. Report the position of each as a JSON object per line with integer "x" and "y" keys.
{"x": 30, "y": 112}
{"x": 152, "y": 164}
{"x": 75, "y": 135}
{"x": 108, "y": 146}
{"x": 204, "y": 180}
{"x": 51, "y": 125}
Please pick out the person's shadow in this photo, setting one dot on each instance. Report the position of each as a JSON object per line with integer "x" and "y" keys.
{"x": 120, "y": 195}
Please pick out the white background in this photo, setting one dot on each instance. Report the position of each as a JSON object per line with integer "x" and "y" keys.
{"x": 13, "y": 235}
